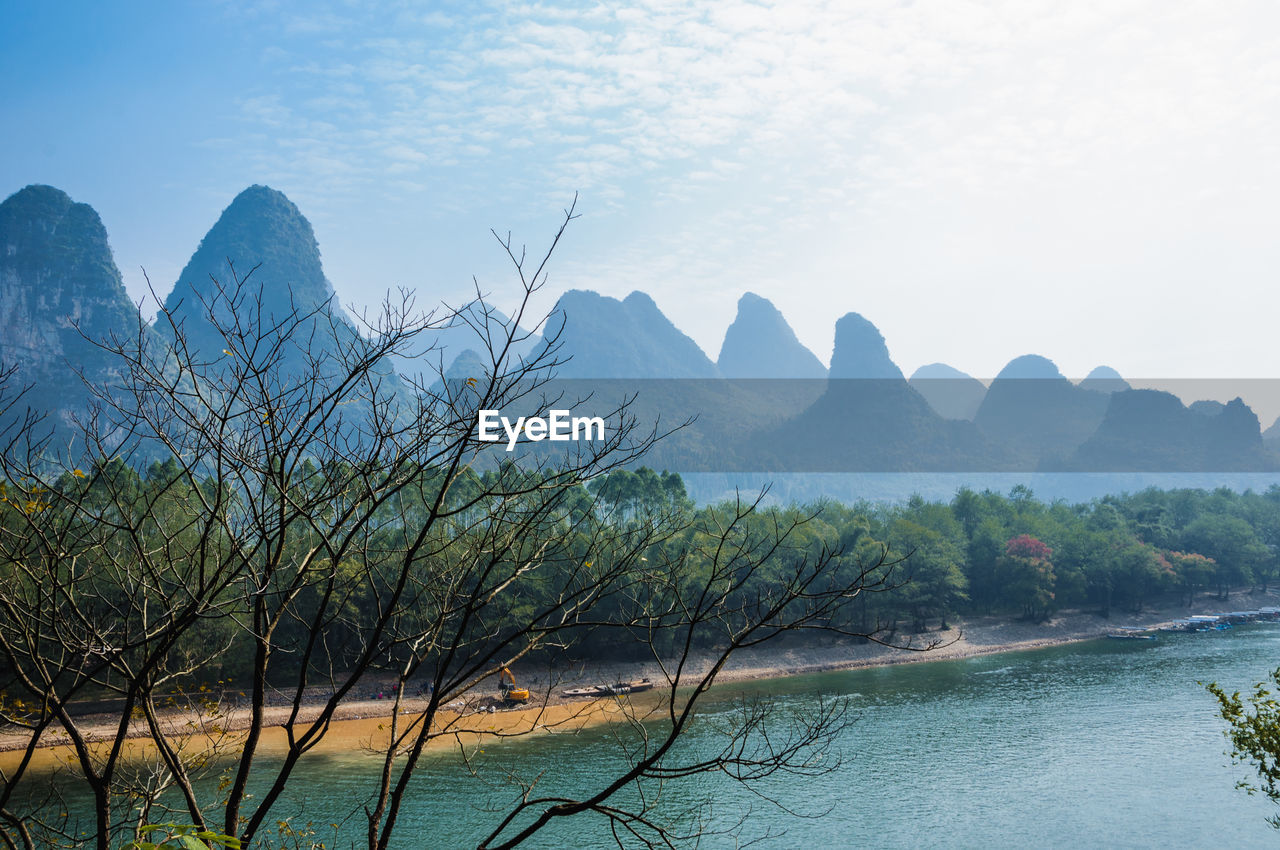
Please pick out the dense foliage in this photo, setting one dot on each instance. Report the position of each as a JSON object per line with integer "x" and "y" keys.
{"x": 1012, "y": 554}
{"x": 981, "y": 553}
{"x": 607, "y": 537}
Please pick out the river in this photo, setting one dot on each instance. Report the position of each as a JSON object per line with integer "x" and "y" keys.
{"x": 1097, "y": 744}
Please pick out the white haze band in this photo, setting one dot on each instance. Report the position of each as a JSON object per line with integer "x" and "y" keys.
{"x": 557, "y": 426}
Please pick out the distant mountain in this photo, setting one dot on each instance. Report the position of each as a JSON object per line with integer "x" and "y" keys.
{"x": 1151, "y": 431}
{"x": 272, "y": 248}
{"x": 1104, "y": 379}
{"x": 1207, "y": 407}
{"x": 467, "y": 365}
{"x": 1271, "y": 436}
{"x": 871, "y": 419}
{"x": 284, "y": 315}
{"x": 950, "y": 392}
{"x": 760, "y": 344}
{"x": 860, "y": 351}
{"x": 59, "y": 284}
{"x": 470, "y": 330}
{"x": 59, "y": 290}
{"x": 1037, "y": 414}
{"x": 602, "y": 337}
{"x": 1030, "y": 367}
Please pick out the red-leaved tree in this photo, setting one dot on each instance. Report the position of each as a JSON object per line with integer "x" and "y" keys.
{"x": 1027, "y": 572}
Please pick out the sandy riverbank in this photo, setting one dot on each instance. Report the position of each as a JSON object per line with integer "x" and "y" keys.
{"x": 365, "y": 724}
{"x": 359, "y": 726}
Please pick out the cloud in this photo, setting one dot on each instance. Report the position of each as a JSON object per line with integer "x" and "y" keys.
{"x": 792, "y": 138}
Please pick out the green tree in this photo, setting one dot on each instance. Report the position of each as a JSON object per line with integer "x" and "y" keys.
{"x": 1143, "y": 571}
{"x": 1192, "y": 572}
{"x": 1233, "y": 545}
{"x": 986, "y": 546}
{"x": 1253, "y": 728}
{"x": 933, "y": 582}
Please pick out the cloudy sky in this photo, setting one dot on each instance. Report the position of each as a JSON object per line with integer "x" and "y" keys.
{"x": 1097, "y": 182}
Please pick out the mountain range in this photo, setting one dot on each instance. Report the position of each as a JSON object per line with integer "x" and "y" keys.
{"x": 777, "y": 406}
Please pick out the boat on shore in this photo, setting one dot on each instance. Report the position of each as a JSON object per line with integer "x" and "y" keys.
{"x": 616, "y": 689}
{"x": 1130, "y": 634}
{"x": 1222, "y": 622}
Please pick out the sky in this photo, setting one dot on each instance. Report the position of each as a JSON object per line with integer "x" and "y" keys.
{"x": 1096, "y": 182}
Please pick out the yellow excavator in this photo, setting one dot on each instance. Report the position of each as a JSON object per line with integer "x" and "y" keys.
{"x": 510, "y": 691}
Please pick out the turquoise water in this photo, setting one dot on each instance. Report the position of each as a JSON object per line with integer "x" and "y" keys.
{"x": 1102, "y": 744}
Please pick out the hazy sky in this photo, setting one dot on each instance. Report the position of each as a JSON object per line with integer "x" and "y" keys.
{"x": 1097, "y": 182}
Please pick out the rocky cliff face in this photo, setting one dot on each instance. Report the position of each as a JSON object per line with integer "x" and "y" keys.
{"x": 59, "y": 291}
{"x": 760, "y": 344}
{"x": 860, "y": 351}
{"x": 254, "y": 297}
{"x": 262, "y": 239}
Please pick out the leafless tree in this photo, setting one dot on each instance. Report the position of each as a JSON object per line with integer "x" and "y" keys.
{"x": 311, "y": 523}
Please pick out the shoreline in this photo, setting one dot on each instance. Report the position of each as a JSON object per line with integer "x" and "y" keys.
{"x": 362, "y": 724}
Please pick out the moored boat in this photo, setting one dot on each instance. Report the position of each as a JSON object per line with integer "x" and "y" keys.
{"x": 616, "y": 689}
{"x": 1130, "y": 633}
